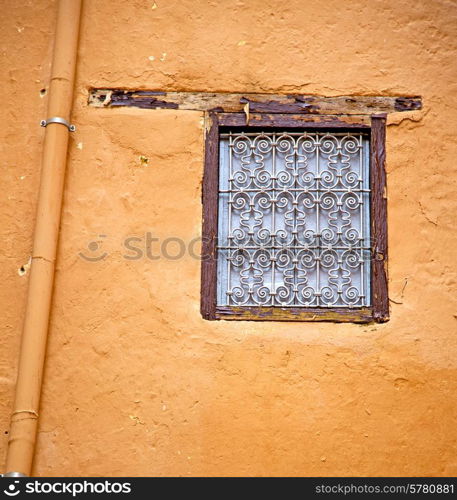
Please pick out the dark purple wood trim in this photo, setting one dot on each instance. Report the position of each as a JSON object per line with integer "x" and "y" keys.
{"x": 209, "y": 232}
{"x": 408, "y": 103}
{"x": 359, "y": 315}
{"x": 379, "y": 291}
{"x": 294, "y": 121}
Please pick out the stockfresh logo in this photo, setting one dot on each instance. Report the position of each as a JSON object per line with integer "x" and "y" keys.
{"x": 66, "y": 487}
{"x": 12, "y": 489}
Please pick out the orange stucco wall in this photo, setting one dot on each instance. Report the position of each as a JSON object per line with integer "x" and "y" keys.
{"x": 136, "y": 383}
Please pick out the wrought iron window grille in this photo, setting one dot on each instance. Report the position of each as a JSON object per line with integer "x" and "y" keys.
{"x": 293, "y": 219}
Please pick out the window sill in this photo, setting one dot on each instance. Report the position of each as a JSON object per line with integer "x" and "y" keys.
{"x": 337, "y": 315}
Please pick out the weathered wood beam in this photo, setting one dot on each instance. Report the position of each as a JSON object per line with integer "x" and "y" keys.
{"x": 253, "y": 103}
{"x": 254, "y": 313}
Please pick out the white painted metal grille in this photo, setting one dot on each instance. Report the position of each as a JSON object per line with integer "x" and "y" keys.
{"x": 294, "y": 228}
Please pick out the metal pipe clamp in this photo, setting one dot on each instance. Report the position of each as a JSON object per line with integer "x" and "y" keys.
{"x": 58, "y": 119}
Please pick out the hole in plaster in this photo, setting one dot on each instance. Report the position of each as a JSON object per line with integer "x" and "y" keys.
{"x": 43, "y": 92}
{"x": 24, "y": 268}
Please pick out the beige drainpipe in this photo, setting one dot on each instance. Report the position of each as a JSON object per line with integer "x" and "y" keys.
{"x": 24, "y": 420}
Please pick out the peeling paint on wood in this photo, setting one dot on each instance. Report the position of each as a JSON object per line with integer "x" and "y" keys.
{"x": 408, "y": 103}
{"x": 258, "y": 103}
{"x": 359, "y": 315}
{"x": 209, "y": 202}
{"x": 380, "y": 298}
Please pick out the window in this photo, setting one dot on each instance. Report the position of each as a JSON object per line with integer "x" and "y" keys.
{"x": 294, "y": 219}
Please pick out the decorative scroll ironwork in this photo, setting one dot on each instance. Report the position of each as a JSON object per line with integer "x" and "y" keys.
{"x": 294, "y": 228}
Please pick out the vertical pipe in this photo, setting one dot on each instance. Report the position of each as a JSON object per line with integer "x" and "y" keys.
{"x": 24, "y": 419}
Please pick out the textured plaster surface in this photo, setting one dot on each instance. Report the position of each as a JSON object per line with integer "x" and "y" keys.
{"x": 136, "y": 382}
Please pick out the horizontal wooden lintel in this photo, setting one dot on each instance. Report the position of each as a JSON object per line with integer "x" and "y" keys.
{"x": 253, "y": 103}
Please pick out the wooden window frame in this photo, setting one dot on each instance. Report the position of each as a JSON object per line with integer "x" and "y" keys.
{"x": 376, "y": 126}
